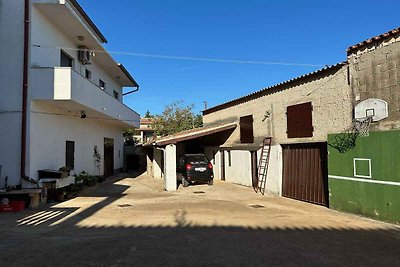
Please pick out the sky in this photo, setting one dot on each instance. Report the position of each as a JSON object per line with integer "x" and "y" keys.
{"x": 315, "y": 32}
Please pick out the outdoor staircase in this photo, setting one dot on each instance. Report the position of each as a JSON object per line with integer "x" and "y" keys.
{"x": 263, "y": 164}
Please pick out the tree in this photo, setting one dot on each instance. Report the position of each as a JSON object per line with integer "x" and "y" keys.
{"x": 175, "y": 118}
{"x": 148, "y": 115}
{"x": 129, "y": 139}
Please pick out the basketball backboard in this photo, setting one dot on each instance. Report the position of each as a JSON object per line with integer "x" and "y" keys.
{"x": 372, "y": 107}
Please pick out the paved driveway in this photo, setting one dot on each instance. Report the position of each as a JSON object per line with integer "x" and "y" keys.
{"x": 131, "y": 221}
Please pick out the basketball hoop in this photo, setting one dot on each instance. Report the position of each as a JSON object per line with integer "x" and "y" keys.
{"x": 361, "y": 126}
{"x": 346, "y": 140}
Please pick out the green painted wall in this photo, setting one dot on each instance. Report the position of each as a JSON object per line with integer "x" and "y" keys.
{"x": 378, "y": 201}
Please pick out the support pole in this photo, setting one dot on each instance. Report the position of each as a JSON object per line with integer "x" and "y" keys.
{"x": 170, "y": 168}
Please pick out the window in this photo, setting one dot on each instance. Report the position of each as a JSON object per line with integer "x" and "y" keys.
{"x": 102, "y": 84}
{"x": 65, "y": 60}
{"x": 116, "y": 95}
{"x": 246, "y": 129}
{"x": 229, "y": 158}
{"x": 70, "y": 154}
{"x": 88, "y": 74}
{"x": 299, "y": 120}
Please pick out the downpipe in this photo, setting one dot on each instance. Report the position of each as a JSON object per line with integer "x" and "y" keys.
{"x": 25, "y": 93}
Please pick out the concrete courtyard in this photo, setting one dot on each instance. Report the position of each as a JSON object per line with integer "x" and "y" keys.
{"x": 132, "y": 221}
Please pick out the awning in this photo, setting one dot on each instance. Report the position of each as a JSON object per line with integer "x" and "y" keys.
{"x": 194, "y": 133}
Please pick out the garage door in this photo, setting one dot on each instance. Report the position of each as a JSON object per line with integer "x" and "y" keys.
{"x": 305, "y": 174}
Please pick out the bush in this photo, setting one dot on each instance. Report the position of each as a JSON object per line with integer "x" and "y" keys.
{"x": 86, "y": 179}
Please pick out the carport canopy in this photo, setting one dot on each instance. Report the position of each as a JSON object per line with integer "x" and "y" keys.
{"x": 194, "y": 133}
{"x": 169, "y": 153}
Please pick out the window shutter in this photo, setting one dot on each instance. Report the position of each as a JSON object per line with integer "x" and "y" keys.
{"x": 246, "y": 129}
{"x": 299, "y": 120}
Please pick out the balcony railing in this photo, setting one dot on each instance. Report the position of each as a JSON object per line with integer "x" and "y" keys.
{"x": 65, "y": 84}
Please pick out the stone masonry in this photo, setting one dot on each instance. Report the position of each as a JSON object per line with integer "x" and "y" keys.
{"x": 375, "y": 73}
{"x": 328, "y": 90}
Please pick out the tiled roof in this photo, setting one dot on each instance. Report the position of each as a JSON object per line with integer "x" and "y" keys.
{"x": 276, "y": 86}
{"x": 373, "y": 39}
{"x": 194, "y": 133}
{"x": 146, "y": 121}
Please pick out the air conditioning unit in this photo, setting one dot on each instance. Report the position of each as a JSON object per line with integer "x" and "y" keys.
{"x": 84, "y": 55}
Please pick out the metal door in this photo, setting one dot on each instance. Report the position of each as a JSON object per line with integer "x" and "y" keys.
{"x": 305, "y": 174}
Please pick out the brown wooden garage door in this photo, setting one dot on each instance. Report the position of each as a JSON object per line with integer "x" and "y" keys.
{"x": 305, "y": 174}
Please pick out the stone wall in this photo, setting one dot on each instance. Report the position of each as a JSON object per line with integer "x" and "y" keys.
{"x": 328, "y": 90}
{"x": 375, "y": 73}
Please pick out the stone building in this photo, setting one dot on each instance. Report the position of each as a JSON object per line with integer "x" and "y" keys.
{"x": 325, "y": 98}
{"x": 317, "y": 122}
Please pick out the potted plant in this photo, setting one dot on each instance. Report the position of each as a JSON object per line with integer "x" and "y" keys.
{"x": 65, "y": 171}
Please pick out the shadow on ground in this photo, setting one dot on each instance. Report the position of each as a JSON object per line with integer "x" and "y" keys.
{"x": 217, "y": 246}
{"x": 68, "y": 244}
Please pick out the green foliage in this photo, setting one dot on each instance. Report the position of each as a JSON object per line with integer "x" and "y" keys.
{"x": 128, "y": 132}
{"x": 148, "y": 115}
{"x": 129, "y": 139}
{"x": 176, "y": 118}
{"x": 85, "y": 178}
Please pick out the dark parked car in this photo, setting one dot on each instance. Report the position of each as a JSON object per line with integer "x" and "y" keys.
{"x": 194, "y": 168}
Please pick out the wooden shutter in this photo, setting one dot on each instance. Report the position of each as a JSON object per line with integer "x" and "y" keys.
{"x": 246, "y": 129}
{"x": 299, "y": 120}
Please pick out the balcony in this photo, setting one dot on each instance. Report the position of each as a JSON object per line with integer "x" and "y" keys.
{"x": 70, "y": 90}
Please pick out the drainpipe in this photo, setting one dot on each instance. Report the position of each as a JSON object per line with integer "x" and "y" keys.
{"x": 25, "y": 93}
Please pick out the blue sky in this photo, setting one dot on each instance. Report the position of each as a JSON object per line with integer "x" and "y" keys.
{"x": 310, "y": 32}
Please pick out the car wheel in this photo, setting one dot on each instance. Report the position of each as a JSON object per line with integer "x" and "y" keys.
{"x": 184, "y": 182}
{"x": 211, "y": 182}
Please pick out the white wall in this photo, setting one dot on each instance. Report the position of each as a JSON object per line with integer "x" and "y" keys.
{"x": 60, "y": 83}
{"x": 274, "y": 176}
{"x": 46, "y": 34}
{"x": 41, "y": 32}
{"x": 50, "y": 132}
{"x": 240, "y": 171}
{"x": 11, "y": 54}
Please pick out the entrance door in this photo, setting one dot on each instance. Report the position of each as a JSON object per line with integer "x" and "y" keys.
{"x": 108, "y": 157}
{"x": 70, "y": 154}
{"x": 254, "y": 169}
{"x": 222, "y": 153}
{"x": 305, "y": 175}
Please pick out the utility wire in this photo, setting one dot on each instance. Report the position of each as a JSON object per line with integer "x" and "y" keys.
{"x": 219, "y": 60}
{"x": 69, "y": 115}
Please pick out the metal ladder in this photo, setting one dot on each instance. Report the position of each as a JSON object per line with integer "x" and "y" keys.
{"x": 263, "y": 164}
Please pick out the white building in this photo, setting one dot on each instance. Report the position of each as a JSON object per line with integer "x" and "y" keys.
{"x": 145, "y": 133}
{"x": 59, "y": 100}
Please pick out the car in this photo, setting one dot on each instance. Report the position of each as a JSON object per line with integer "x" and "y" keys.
{"x": 194, "y": 168}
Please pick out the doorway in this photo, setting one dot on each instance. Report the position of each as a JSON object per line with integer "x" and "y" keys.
{"x": 254, "y": 170}
{"x": 108, "y": 157}
{"x": 70, "y": 154}
{"x": 305, "y": 175}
